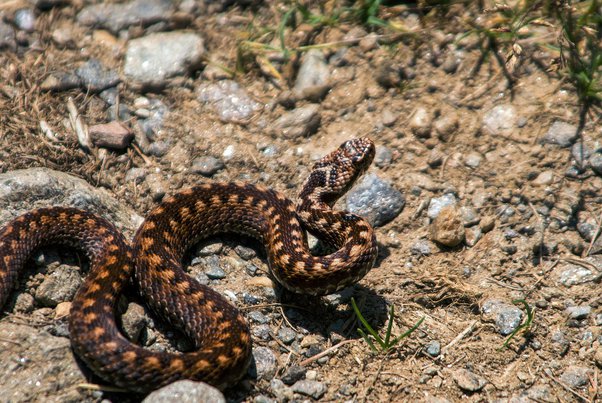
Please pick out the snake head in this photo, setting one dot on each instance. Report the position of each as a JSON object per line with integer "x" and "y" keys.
{"x": 359, "y": 151}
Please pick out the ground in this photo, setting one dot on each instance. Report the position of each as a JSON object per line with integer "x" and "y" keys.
{"x": 459, "y": 114}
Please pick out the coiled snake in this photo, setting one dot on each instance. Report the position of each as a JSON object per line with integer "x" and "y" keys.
{"x": 219, "y": 332}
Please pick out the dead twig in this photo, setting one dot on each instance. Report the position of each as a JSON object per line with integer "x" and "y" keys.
{"x": 459, "y": 337}
{"x": 325, "y": 352}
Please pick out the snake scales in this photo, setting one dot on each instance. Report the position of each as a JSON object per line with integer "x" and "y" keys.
{"x": 217, "y": 329}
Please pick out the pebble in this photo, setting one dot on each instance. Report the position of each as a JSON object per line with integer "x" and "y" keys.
{"x": 579, "y": 312}
{"x": 375, "y": 199}
{"x": 264, "y": 364}
{"x": 62, "y": 309}
{"x": 560, "y": 344}
{"x": 287, "y": 335}
{"x": 542, "y": 393}
{"x": 545, "y": 178}
{"x": 186, "y": 392}
{"x": 293, "y": 374}
{"x": 576, "y": 377}
{"x": 469, "y": 216}
{"x": 25, "y": 303}
{"x": 433, "y": 348}
{"x": 420, "y": 123}
{"x": 95, "y": 77}
{"x": 306, "y": 387}
{"x": 282, "y": 392}
{"x": 300, "y": 122}
{"x": 507, "y": 317}
{"x": 421, "y": 247}
{"x": 258, "y": 317}
{"x": 207, "y": 165}
{"x": 262, "y": 332}
{"x": 7, "y": 36}
{"x": 570, "y": 274}
{"x": 25, "y": 19}
{"x": 133, "y": 321}
{"x": 313, "y": 77}
{"x": 244, "y": 252}
{"x": 560, "y": 133}
{"x": 154, "y": 122}
{"x": 229, "y": 100}
{"x": 388, "y": 117}
{"x": 595, "y": 162}
{"x": 111, "y": 135}
{"x": 473, "y": 159}
{"x": 446, "y": 126}
{"x": 388, "y": 74}
{"x": 500, "y": 119}
{"x": 582, "y": 150}
{"x": 383, "y": 156}
{"x": 472, "y": 235}
{"x": 213, "y": 269}
{"x": 152, "y": 59}
{"x": 157, "y": 185}
{"x": 437, "y": 204}
{"x": 135, "y": 175}
{"x": 447, "y": 228}
{"x": 468, "y": 380}
{"x": 59, "y": 286}
{"x": 115, "y": 16}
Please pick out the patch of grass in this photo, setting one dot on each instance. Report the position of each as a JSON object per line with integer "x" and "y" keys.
{"x": 523, "y": 326}
{"x": 581, "y": 53}
{"x": 387, "y": 343}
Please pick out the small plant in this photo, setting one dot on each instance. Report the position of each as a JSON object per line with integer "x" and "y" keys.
{"x": 386, "y": 344}
{"x": 523, "y": 326}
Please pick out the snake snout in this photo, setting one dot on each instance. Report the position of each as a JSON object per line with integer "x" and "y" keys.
{"x": 360, "y": 151}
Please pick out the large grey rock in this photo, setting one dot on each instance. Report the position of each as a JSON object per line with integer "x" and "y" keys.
{"x": 152, "y": 59}
{"x": 375, "y": 200}
{"x": 116, "y": 16}
{"x": 24, "y": 190}
{"x": 186, "y": 392}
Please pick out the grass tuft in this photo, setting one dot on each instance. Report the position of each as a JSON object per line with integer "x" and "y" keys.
{"x": 523, "y": 326}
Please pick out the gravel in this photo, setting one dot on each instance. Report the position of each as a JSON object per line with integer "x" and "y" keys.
{"x": 186, "y": 392}
{"x": 375, "y": 199}
{"x": 560, "y": 133}
{"x": 229, "y": 100}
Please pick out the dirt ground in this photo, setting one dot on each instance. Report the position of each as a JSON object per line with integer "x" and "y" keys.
{"x": 430, "y": 68}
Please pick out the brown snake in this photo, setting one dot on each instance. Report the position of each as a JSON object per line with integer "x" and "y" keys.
{"x": 219, "y": 332}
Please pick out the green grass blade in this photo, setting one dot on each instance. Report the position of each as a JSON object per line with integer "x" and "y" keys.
{"x": 407, "y": 332}
{"x": 366, "y": 324}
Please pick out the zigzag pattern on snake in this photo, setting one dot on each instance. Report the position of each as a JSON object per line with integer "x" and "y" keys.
{"x": 218, "y": 330}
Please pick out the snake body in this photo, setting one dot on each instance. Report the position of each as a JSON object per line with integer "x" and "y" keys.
{"x": 217, "y": 329}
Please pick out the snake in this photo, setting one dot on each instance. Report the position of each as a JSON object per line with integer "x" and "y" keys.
{"x": 153, "y": 262}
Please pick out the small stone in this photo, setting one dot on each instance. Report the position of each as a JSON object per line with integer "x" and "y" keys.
{"x": 213, "y": 271}
{"x": 207, "y": 165}
{"x": 261, "y": 332}
{"x": 300, "y": 122}
{"x": 433, "y": 348}
{"x": 154, "y": 58}
{"x": 446, "y": 126}
{"x": 579, "y": 312}
{"x": 447, "y": 229}
{"x": 25, "y": 19}
{"x": 388, "y": 74}
{"x": 560, "y": 133}
{"x": 595, "y": 162}
{"x": 560, "y": 344}
{"x": 135, "y": 175}
{"x": 468, "y": 381}
{"x": 62, "y": 310}
{"x": 293, "y": 374}
{"x": 157, "y": 186}
{"x": 473, "y": 159}
{"x": 542, "y": 393}
{"x": 287, "y": 335}
{"x": 388, "y": 118}
{"x": 507, "y": 317}
{"x": 60, "y": 82}
{"x": 282, "y": 392}
{"x": 469, "y": 216}
{"x": 59, "y": 286}
{"x": 375, "y": 199}
{"x": 306, "y": 387}
{"x": 117, "y": 16}
{"x": 112, "y": 135}
{"x": 576, "y": 377}
{"x": 186, "y": 392}
{"x": 383, "y": 156}
{"x": 264, "y": 363}
{"x": 229, "y": 100}
{"x": 487, "y": 223}
{"x": 421, "y": 247}
{"x": 420, "y": 123}
{"x": 544, "y": 179}
{"x": 94, "y": 77}
{"x": 258, "y": 317}
{"x": 437, "y": 204}
{"x": 598, "y": 357}
{"x": 313, "y": 76}
{"x": 500, "y": 119}
{"x": 244, "y": 252}
{"x": 133, "y": 321}
{"x": 573, "y": 274}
